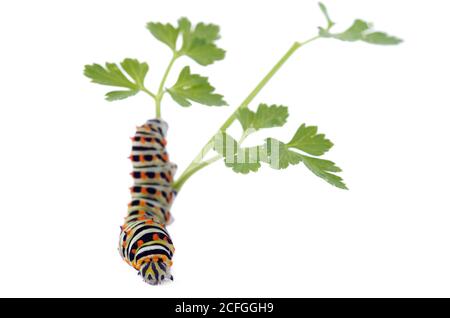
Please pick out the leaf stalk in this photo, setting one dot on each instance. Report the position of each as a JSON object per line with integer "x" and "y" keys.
{"x": 159, "y": 95}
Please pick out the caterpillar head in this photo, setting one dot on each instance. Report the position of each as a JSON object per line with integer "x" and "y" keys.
{"x": 146, "y": 245}
{"x": 155, "y": 272}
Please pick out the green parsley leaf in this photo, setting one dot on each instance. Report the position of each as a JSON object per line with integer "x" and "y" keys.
{"x": 165, "y": 33}
{"x": 270, "y": 116}
{"x": 112, "y": 75}
{"x": 308, "y": 140}
{"x": 354, "y": 32}
{"x": 324, "y": 10}
{"x": 278, "y": 155}
{"x": 198, "y": 43}
{"x": 184, "y": 25}
{"x": 207, "y": 32}
{"x": 245, "y": 117}
{"x": 245, "y": 161}
{"x": 118, "y": 95}
{"x": 275, "y": 153}
{"x": 381, "y": 38}
{"x": 136, "y": 70}
{"x": 322, "y": 169}
{"x": 225, "y": 145}
{"x": 361, "y": 31}
{"x": 194, "y": 88}
{"x": 241, "y": 160}
{"x": 264, "y": 117}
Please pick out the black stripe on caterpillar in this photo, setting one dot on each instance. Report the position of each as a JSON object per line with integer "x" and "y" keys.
{"x": 144, "y": 241}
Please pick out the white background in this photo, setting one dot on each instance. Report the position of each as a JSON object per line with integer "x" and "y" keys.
{"x": 64, "y": 170}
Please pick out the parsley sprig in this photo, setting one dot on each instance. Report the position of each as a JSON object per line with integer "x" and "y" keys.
{"x": 199, "y": 43}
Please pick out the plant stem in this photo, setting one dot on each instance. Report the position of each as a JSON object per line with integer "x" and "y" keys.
{"x": 197, "y": 164}
{"x": 148, "y": 92}
{"x": 159, "y": 95}
{"x": 245, "y": 134}
{"x": 188, "y": 173}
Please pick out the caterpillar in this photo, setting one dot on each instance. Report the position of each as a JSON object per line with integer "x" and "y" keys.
{"x": 144, "y": 242}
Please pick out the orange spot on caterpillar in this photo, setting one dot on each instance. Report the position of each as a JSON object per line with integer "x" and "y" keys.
{"x": 142, "y": 139}
{"x": 133, "y": 251}
{"x": 144, "y": 191}
{"x": 157, "y": 175}
{"x": 165, "y": 157}
{"x": 141, "y": 202}
{"x": 164, "y": 258}
{"x": 141, "y": 158}
{"x": 155, "y": 258}
{"x": 155, "y": 237}
{"x": 164, "y": 141}
{"x": 140, "y": 243}
{"x": 141, "y": 212}
{"x": 149, "y": 222}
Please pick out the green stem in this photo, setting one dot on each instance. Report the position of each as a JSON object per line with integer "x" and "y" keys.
{"x": 148, "y": 92}
{"x": 245, "y": 134}
{"x": 194, "y": 168}
{"x": 197, "y": 164}
{"x": 159, "y": 95}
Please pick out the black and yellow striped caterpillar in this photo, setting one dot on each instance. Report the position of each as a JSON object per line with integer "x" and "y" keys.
{"x": 144, "y": 242}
